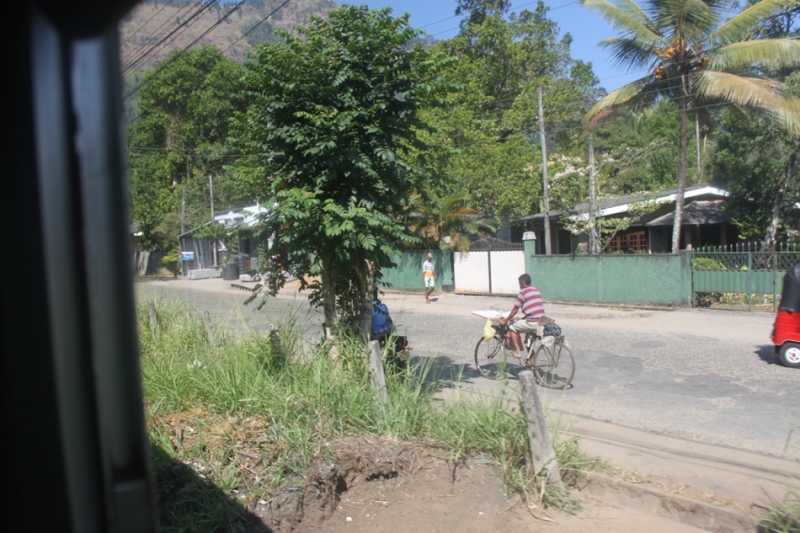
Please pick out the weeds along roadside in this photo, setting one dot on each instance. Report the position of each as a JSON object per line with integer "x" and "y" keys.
{"x": 218, "y": 399}
{"x": 784, "y": 516}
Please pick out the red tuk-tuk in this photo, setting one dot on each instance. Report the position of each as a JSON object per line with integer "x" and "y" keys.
{"x": 786, "y": 332}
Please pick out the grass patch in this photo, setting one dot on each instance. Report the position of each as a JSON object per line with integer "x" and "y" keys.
{"x": 784, "y": 516}
{"x": 239, "y": 415}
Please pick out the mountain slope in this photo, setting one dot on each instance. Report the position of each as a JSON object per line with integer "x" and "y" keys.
{"x": 155, "y": 27}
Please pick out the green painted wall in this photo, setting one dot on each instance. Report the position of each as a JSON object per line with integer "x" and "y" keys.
{"x": 663, "y": 279}
{"x": 407, "y": 275}
{"x": 747, "y": 281}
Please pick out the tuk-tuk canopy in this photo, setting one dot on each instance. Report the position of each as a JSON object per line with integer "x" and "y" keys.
{"x": 790, "y": 295}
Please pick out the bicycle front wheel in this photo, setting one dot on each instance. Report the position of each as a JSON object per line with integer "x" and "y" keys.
{"x": 490, "y": 358}
{"x": 554, "y": 366}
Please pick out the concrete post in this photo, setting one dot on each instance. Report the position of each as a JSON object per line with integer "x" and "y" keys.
{"x": 529, "y": 247}
{"x": 151, "y": 311}
{"x": 543, "y": 455}
{"x": 529, "y": 242}
{"x": 377, "y": 375}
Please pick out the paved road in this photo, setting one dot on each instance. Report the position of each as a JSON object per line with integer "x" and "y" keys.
{"x": 701, "y": 375}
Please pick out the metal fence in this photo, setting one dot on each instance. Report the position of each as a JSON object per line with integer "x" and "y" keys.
{"x": 741, "y": 274}
{"x": 487, "y": 242}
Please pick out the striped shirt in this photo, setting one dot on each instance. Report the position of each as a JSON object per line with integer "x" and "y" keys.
{"x": 530, "y": 302}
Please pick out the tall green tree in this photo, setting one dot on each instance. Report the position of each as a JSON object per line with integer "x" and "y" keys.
{"x": 476, "y": 11}
{"x": 640, "y": 150}
{"x": 333, "y": 117}
{"x": 179, "y": 140}
{"x": 487, "y": 135}
{"x": 758, "y": 162}
{"x": 696, "y": 58}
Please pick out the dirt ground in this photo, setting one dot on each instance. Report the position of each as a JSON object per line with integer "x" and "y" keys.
{"x": 428, "y": 501}
{"x": 386, "y": 487}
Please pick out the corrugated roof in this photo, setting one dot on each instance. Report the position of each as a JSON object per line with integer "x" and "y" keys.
{"x": 619, "y": 204}
{"x": 699, "y": 212}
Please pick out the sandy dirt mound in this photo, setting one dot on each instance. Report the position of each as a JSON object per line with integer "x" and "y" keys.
{"x": 387, "y": 487}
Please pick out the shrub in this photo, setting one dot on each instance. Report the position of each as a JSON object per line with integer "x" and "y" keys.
{"x": 708, "y": 263}
{"x": 707, "y": 299}
{"x": 172, "y": 262}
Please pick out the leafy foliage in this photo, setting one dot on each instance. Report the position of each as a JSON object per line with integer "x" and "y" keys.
{"x": 334, "y": 112}
{"x": 486, "y": 137}
{"x": 569, "y": 194}
{"x": 447, "y": 222}
{"x": 180, "y": 139}
{"x": 708, "y": 263}
{"x": 640, "y": 151}
{"x": 757, "y": 162}
{"x": 696, "y": 58}
{"x": 172, "y": 262}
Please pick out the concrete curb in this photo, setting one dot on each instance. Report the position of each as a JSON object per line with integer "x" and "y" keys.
{"x": 671, "y": 506}
{"x": 626, "y": 306}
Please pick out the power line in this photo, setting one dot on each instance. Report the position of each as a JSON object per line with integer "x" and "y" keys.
{"x": 181, "y": 52}
{"x": 182, "y": 26}
{"x": 155, "y": 34}
{"x": 132, "y": 35}
{"x": 520, "y": 7}
{"x": 256, "y": 26}
{"x": 575, "y": 128}
{"x": 502, "y": 110}
{"x": 556, "y": 129}
{"x": 139, "y": 86}
{"x": 521, "y": 95}
{"x": 160, "y": 34}
{"x": 217, "y": 23}
{"x": 516, "y": 8}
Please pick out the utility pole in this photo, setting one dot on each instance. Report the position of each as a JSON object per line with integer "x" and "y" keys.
{"x": 211, "y": 195}
{"x": 545, "y": 192}
{"x": 594, "y": 245}
{"x": 183, "y": 209}
{"x": 697, "y": 135}
{"x": 211, "y": 198}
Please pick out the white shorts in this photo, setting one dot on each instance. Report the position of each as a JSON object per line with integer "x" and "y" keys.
{"x": 524, "y": 326}
{"x": 430, "y": 282}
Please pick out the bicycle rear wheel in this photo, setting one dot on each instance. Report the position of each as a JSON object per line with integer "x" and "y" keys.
{"x": 554, "y": 366}
{"x": 490, "y": 358}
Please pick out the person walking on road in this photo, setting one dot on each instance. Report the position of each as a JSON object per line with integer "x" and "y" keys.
{"x": 428, "y": 277}
{"x": 529, "y": 300}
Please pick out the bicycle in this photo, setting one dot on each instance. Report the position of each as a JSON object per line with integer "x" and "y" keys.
{"x": 548, "y": 356}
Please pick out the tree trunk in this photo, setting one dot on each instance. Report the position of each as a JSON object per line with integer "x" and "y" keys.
{"x": 786, "y": 177}
{"x": 366, "y": 280}
{"x": 682, "y": 168}
{"x": 329, "y": 296}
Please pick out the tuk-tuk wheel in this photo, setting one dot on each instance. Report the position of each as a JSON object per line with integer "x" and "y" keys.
{"x": 789, "y": 354}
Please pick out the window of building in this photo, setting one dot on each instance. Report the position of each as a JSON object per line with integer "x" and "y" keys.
{"x": 628, "y": 243}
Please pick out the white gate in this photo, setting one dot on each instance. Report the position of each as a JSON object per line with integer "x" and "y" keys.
{"x": 488, "y": 272}
{"x": 505, "y": 269}
{"x": 471, "y": 272}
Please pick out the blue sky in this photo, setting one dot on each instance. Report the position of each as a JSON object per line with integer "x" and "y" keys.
{"x": 437, "y": 18}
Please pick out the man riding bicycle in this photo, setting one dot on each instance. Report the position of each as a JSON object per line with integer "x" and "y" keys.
{"x": 529, "y": 300}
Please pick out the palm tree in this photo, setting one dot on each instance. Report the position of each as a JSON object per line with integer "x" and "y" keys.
{"x": 697, "y": 59}
{"x": 448, "y": 221}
